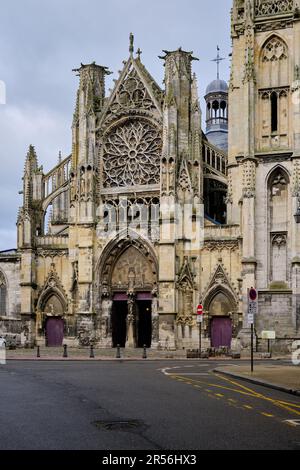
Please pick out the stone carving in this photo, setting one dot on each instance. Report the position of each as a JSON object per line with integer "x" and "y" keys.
{"x": 2, "y": 280}
{"x": 249, "y": 177}
{"x": 275, "y": 49}
{"x": 296, "y": 179}
{"x": 184, "y": 180}
{"x": 132, "y": 155}
{"x": 131, "y": 94}
{"x": 273, "y": 7}
{"x": 279, "y": 239}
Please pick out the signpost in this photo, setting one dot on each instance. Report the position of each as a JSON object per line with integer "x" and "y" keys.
{"x": 268, "y": 335}
{"x": 252, "y": 311}
{"x": 199, "y": 321}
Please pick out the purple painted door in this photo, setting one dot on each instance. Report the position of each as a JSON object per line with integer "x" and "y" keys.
{"x": 54, "y": 332}
{"x": 221, "y": 332}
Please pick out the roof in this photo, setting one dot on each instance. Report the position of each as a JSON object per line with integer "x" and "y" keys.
{"x": 217, "y": 86}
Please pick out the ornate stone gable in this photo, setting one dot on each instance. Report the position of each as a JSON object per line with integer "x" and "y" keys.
{"x": 54, "y": 285}
{"x": 186, "y": 275}
{"x": 184, "y": 179}
{"x": 135, "y": 93}
{"x": 220, "y": 279}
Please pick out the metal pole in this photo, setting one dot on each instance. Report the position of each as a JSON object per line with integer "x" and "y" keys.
{"x": 200, "y": 339}
{"x": 145, "y": 352}
{"x": 252, "y": 347}
{"x": 118, "y": 352}
{"x": 65, "y": 354}
{"x": 268, "y": 345}
{"x": 92, "y": 355}
{"x": 38, "y": 354}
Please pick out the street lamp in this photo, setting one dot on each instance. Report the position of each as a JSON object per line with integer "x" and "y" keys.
{"x": 297, "y": 215}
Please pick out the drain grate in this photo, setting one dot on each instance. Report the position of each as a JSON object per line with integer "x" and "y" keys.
{"x": 124, "y": 425}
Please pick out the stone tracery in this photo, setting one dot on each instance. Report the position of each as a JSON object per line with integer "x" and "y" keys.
{"x": 132, "y": 155}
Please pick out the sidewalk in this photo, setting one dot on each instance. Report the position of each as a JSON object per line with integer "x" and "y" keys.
{"x": 83, "y": 354}
{"x": 278, "y": 377}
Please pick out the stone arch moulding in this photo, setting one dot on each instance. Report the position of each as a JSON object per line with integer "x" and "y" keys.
{"x": 272, "y": 172}
{"x": 221, "y": 289}
{"x": 51, "y": 287}
{"x": 114, "y": 249}
{"x": 272, "y": 38}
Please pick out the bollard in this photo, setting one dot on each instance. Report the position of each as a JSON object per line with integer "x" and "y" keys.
{"x": 65, "y": 354}
{"x": 92, "y": 355}
{"x": 145, "y": 352}
{"x": 118, "y": 356}
{"x": 38, "y": 354}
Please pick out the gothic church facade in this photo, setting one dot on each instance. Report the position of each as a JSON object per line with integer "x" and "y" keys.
{"x": 107, "y": 252}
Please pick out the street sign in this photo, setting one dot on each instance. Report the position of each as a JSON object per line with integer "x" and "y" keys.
{"x": 250, "y": 318}
{"x": 200, "y": 309}
{"x": 253, "y": 294}
{"x": 199, "y": 318}
{"x": 268, "y": 335}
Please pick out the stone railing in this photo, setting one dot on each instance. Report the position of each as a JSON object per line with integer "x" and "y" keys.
{"x": 52, "y": 240}
{"x": 214, "y": 159}
{"x": 224, "y": 232}
{"x": 273, "y": 7}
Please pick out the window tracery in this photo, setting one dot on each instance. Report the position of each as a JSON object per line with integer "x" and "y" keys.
{"x": 132, "y": 155}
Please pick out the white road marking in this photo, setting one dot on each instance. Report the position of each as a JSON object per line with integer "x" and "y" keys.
{"x": 293, "y": 422}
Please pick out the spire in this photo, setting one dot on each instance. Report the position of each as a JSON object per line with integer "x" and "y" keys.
{"x": 218, "y": 59}
{"x": 31, "y": 162}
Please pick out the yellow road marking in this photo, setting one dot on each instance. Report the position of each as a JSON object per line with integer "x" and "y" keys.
{"x": 248, "y": 407}
{"x": 219, "y": 395}
{"x": 268, "y": 415}
{"x": 260, "y": 395}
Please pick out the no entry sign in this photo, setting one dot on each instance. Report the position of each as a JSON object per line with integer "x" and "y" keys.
{"x": 200, "y": 309}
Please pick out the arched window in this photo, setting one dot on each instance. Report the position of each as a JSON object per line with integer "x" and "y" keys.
{"x": 3, "y": 295}
{"x": 278, "y": 225}
{"x": 274, "y": 112}
{"x": 274, "y": 67}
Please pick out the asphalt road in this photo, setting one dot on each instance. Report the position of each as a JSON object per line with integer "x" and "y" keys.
{"x": 165, "y": 405}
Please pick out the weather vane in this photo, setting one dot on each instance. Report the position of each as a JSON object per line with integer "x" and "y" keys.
{"x": 218, "y": 59}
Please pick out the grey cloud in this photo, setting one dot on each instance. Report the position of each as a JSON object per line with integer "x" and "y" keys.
{"x": 42, "y": 41}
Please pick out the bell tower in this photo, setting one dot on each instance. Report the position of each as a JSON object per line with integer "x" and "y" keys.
{"x": 264, "y": 155}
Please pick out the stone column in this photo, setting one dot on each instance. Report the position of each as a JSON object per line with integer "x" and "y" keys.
{"x": 155, "y": 323}
{"x": 130, "y": 339}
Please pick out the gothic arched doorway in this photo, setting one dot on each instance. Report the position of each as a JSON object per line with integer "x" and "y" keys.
{"x": 54, "y": 323}
{"x": 129, "y": 278}
{"x": 220, "y": 309}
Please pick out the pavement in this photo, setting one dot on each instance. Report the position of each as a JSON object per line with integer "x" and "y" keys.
{"x": 146, "y": 405}
{"x": 280, "y": 377}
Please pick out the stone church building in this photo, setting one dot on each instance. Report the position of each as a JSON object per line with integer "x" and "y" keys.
{"x": 150, "y": 215}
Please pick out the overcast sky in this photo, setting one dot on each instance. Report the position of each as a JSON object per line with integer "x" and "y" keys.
{"x": 41, "y": 41}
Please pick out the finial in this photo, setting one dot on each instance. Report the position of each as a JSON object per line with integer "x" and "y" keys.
{"x": 59, "y": 156}
{"x": 218, "y": 59}
{"x": 131, "y": 42}
{"x": 138, "y": 53}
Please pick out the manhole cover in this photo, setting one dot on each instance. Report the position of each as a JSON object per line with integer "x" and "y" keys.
{"x": 124, "y": 425}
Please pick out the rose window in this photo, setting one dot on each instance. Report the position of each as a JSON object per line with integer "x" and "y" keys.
{"x": 132, "y": 155}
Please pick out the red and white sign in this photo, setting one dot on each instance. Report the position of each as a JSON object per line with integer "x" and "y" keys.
{"x": 200, "y": 310}
{"x": 252, "y": 294}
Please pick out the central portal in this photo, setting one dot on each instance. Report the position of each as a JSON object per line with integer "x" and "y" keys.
{"x": 140, "y": 321}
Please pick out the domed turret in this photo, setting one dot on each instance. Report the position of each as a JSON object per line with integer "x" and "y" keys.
{"x": 216, "y": 98}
